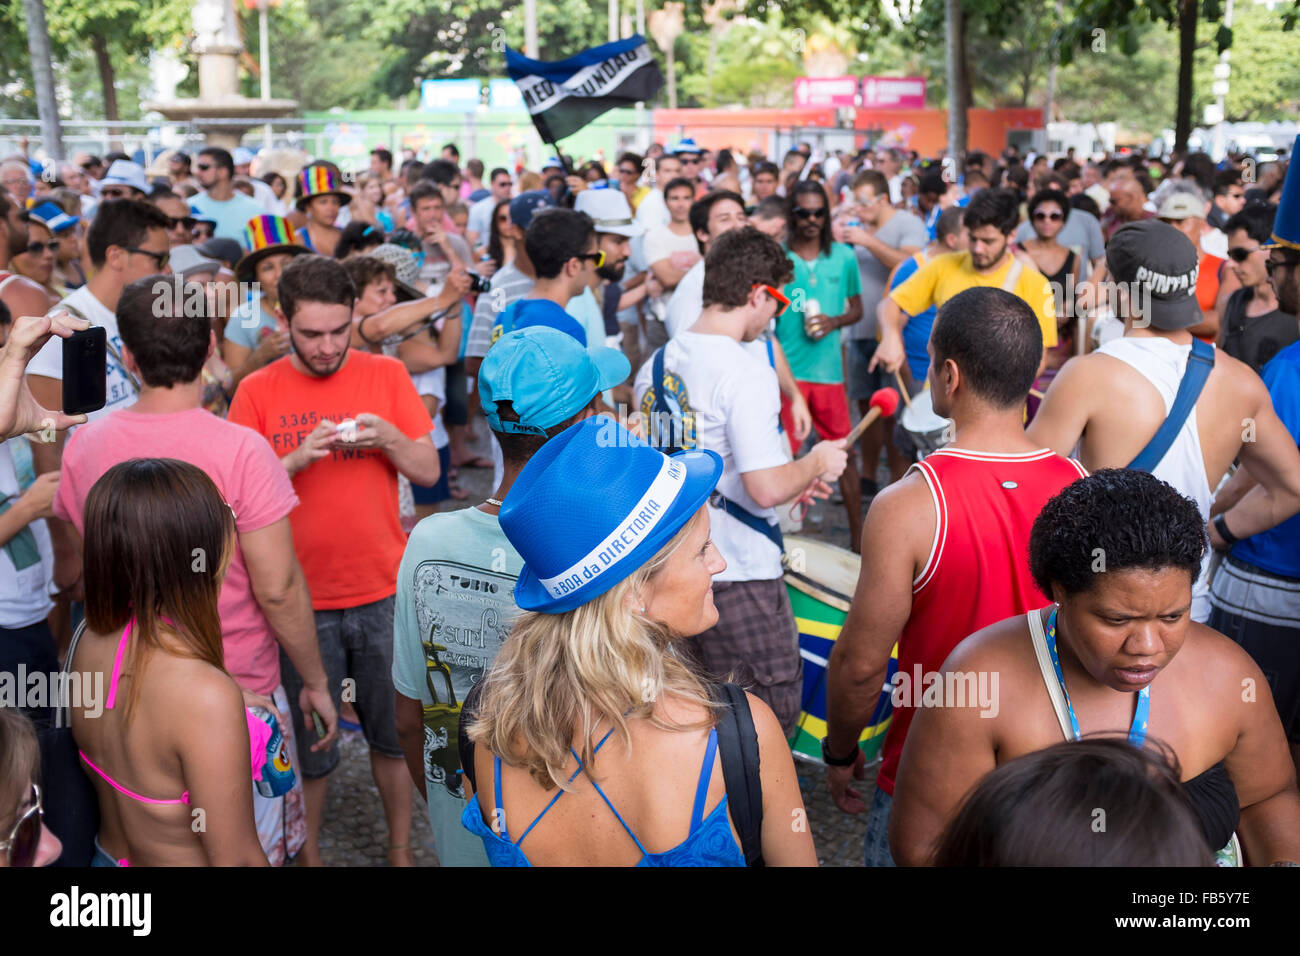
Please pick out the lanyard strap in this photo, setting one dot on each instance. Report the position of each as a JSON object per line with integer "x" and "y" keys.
{"x": 1137, "y": 733}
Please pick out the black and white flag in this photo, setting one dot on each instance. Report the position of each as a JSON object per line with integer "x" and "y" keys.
{"x": 565, "y": 96}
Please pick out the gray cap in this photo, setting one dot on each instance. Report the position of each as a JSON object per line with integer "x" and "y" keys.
{"x": 188, "y": 262}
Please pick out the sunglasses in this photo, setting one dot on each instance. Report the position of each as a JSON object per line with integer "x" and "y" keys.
{"x": 187, "y": 222}
{"x": 597, "y": 257}
{"x": 203, "y": 167}
{"x": 1288, "y": 263}
{"x": 25, "y": 837}
{"x": 160, "y": 258}
{"x": 810, "y": 213}
{"x": 624, "y": 171}
{"x": 202, "y": 232}
{"x": 782, "y": 301}
{"x": 1240, "y": 254}
{"x": 36, "y": 248}
{"x": 1048, "y": 216}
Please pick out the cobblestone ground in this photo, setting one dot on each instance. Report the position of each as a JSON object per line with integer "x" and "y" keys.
{"x": 354, "y": 833}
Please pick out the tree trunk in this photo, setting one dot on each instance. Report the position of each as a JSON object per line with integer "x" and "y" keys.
{"x": 958, "y": 80}
{"x": 38, "y": 45}
{"x": 1187, "y": 14}
{"x": 672, "y": 77}
{"x": 108, "y": 81}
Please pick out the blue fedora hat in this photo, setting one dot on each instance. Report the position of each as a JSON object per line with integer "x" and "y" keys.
{"x": 1286, "y": 224}
{"x": 594, "y": 505}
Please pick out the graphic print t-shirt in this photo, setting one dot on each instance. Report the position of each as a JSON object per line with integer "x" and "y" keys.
{"x": 728, "y": 401}
{"x": 346, "y": 530}
{"x": 455, "y": 606}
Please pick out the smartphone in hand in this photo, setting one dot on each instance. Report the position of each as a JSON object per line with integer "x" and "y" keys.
{"x": 85, "y": 371}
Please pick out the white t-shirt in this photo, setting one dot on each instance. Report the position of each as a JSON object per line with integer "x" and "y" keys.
{"x": 734, "y": 400}
{"x": 25, "y": 592}
{"x": 652, "y": 211}
{"x": 120, "y": 391}
{"x": 480, "y": 219}
{"x": 687, "y": 301}
{"x": 434, "y": 382}
{"x": 687, "y": 304}
{"x": 660, "y": 244}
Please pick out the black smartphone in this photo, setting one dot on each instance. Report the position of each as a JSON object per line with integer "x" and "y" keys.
{"x": 85, "y": 371}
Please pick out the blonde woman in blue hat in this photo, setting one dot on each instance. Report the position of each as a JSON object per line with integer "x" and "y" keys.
{"x": 592, "y": 742}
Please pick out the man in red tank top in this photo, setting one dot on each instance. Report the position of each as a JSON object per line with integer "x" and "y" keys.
{"x": 944, "y": 550}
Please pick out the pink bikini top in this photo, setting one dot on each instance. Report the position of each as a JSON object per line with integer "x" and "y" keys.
{"x": 259, "y": 733}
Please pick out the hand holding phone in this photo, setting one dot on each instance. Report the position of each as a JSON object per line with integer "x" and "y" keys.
{"x": 85, "y": 371}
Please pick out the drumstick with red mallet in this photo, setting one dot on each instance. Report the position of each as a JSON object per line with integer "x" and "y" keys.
{"x": 883, "y": 404}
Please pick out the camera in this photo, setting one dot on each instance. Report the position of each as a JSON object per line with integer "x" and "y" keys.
{"x": 477, "y": 283}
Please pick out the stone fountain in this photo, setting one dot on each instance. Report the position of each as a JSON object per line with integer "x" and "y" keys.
{"x": 218, "y": 46}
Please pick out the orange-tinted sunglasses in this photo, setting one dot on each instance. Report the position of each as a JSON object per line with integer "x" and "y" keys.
{"x": 782, "y": 301}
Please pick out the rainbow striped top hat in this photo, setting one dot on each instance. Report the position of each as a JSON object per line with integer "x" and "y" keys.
{"x": 264, "y": 235}
{"x": 1286, "y": 224}
{"x": 319, "y": 180}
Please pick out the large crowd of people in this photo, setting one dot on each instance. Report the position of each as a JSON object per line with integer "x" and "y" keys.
{"x": 1091, "y": 489}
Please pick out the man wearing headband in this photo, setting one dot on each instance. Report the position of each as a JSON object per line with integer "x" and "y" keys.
{"x": 455, "y": 588}
{"x": 1115, "y": 402}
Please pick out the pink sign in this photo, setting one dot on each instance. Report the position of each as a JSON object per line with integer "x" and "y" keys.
{"x": 825, "y": 91}
{"x": 899, "y": 92}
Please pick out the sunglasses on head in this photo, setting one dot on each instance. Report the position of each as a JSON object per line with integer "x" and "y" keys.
{"x": 1041, "y": 216}
{"x": 598, "y": 257}
{"x": 782, "y": 301}
{"x": 803, "y": 213}
{"x": 36, "y": 248}
{"x": 1240, "y": 254}
{"x": 25, "y": 837}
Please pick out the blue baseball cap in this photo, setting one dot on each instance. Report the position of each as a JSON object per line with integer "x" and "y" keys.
{"x": 526, "y": 205}
{"x": 546, "y": 375}
{"x": 593, "y": 506}
{"x": 55, "y": 219}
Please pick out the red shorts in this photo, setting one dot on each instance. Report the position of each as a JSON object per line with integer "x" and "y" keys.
{"x": 829, "y": 407}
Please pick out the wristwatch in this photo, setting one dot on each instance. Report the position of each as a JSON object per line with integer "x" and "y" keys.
{"x": 832, "y": 761}
{"x": 1221, "y": 526}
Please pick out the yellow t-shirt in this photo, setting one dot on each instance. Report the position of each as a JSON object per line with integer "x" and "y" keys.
{"x": 944, "y": 276}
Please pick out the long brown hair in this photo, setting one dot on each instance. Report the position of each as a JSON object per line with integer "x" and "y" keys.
{"x": 159, "y": 538}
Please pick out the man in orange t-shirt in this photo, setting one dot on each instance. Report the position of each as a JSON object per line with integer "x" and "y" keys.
{"x": 344, "y": 423}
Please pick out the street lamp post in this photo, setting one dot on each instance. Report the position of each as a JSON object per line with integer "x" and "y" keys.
{"x": 264, "y": 53}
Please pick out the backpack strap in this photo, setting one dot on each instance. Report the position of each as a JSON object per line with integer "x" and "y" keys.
{"x": 738, "y": 750}
{"x": 1199, "y": 364}
{"x": 750, "y": 520}
{"x": 663, "y": 414}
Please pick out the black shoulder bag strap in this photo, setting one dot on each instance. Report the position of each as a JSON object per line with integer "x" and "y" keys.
{"x": 1199, "y": 364}
{"x": 738, "y": 749}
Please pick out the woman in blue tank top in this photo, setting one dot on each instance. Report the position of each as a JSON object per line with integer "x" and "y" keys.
{"x": 590, "y": 741}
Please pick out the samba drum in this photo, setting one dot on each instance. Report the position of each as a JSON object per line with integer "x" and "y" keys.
{"x": 920, "y": 431}
{"x": 820, "y": 579}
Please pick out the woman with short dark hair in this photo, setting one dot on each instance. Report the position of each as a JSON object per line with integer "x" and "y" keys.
{"x": 1116, "y": 654}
